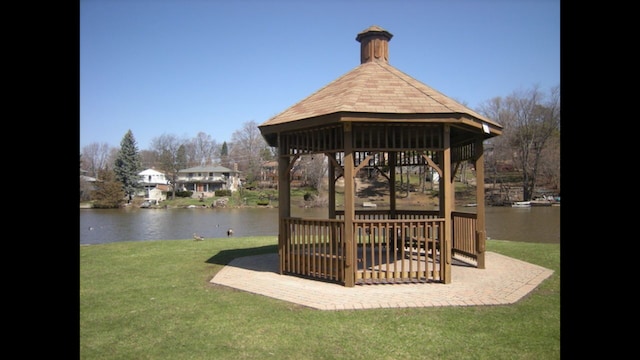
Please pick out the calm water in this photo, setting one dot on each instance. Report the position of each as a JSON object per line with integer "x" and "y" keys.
{"x": 535, "y": 224}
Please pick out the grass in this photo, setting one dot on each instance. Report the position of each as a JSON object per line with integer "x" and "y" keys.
{"x": 153, "y": 300}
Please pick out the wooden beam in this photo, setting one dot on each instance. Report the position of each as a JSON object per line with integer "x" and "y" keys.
{"x": 350, "y": 267}
{"x": 284, "y": 200}
{"x": 481, "y": 234}
{"x": 448, "y": 193}
{"x": 432, "y": 164}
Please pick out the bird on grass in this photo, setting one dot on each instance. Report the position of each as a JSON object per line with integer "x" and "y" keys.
{"x": 230, "y": 232}
{"x": 197, "y": 237}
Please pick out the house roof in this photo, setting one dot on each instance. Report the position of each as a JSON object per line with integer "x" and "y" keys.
{"x": 208, "y": 168}
{"x": 148, "y": 172}
{"x": 374, "y": 86}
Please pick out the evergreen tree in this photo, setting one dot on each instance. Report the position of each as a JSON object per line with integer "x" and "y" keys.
{"x": 128, "y": 164}
{"x": 108, "y": 193}
{"x": 181, "y": 158}
{"x": 224, "y": 155}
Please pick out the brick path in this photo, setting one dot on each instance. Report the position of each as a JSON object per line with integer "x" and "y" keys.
{"x": 504, "y": 281}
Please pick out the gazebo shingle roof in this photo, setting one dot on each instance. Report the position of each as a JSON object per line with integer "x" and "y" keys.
{"x": 374, "y": 87}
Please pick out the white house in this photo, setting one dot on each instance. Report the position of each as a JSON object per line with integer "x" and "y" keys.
{"x": 154, "y": 183}
{"x": 206, "y": 179}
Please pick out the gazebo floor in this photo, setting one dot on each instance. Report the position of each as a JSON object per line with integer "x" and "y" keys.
{"x": 504, "y": 281}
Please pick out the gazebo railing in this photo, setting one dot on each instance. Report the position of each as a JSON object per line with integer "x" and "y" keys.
{"x": 397, "y": 250}
{"x": 464, "y": 244}
{"x": 465, "y": 241}
{"x": 314, "y": 248}
{"x": 404, "y": 249}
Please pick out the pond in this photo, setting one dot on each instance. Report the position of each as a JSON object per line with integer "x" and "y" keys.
{"x": 98, "y": 226}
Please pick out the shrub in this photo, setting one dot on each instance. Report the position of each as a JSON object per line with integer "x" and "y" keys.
{"x": 184, "y": 194}
{"x": 223, "y": 192}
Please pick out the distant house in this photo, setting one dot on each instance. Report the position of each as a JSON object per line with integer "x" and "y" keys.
{"x": 155, "y": 185}
{"x": 269, "y": 174}
{"x": 153, "y": 177}
{"x": 87, "y": 186}
{"x": 206, "y": 179}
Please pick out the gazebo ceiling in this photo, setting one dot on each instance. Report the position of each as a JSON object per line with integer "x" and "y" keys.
{"x": 375, "y": 91}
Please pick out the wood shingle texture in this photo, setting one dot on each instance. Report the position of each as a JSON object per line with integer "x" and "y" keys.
{"x": 376, "y": 87}
{"x": 373, "y": 87}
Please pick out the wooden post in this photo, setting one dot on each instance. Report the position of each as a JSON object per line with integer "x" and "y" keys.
{"x": 284, "y": 207}
{"x": 481, "y": 235}
{"x": 392, "y": 184}
{"x": 332, "y": 186}
{"x": 446, "y": 184}
{"x": 349, "y": 209}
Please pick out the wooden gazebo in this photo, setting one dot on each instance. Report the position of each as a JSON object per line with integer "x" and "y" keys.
{"x": 377, "y": 116}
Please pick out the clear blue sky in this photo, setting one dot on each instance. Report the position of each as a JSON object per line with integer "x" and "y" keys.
{"x": 180, "y": 67}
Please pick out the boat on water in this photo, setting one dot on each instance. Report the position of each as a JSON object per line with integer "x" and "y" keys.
{"x": 541, "y": 203}
{"x": 546, "y": 201}
{"x": 521, "y": 204}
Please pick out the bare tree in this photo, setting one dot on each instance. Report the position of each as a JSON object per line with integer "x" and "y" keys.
{"x": 549, "y": 174}
{"x": 314, "y": 169}
{"x": 531, "y": 124}
{"x": 202, "y": 150}
{"x": 149, "y": 159}
{"x": 172, "y": 157}
{"x": 95, "y": 157}
{"x": 248, "y": 150}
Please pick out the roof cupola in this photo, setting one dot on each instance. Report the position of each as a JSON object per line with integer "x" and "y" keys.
{"x": 374, "y": 44}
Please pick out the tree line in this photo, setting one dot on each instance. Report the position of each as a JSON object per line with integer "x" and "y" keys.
{"x": 529, "y": 147}
{"x": 530, "y": 142}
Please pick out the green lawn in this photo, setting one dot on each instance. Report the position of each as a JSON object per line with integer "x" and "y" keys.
{"x": 153, "y": 300}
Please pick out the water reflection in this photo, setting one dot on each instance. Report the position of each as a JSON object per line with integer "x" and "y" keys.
{"x": 535, "y": 224}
